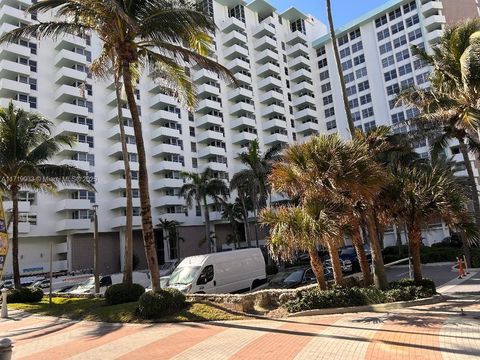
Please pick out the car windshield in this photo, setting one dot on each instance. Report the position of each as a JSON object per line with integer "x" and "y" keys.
{"x": 87, "y": 284}
{"x": 294, "y": 277}
{"x": 183, "y": 275}
{"x": 348, "y": 251}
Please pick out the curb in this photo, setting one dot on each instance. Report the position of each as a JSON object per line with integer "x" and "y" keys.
{"x": 373, "y": 308}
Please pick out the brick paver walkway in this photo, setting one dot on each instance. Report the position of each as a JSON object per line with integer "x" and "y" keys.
{"x": 439, "y": 331}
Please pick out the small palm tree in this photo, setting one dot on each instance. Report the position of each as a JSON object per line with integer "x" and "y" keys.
{"x": 233, "y": 213}
{"x": 423, "y": 192}
{"x": 241, "y": 184}
{"x": 297, "y": 228}
{"x": 26, "y": 147}
{"x": 167, "y": 36}
{"x": 200, "y": 188}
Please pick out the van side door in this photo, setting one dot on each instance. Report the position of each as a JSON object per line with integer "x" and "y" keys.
{"x": 206, "y": 282}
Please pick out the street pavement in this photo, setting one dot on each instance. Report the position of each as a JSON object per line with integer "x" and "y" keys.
{"x": 446, "y": 330}
{"x": 440, "y": 273}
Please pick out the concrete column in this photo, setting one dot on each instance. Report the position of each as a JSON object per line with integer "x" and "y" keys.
{"x": 166, "y": 247}
{"x": 69, "y": 252}
{"x": 121, "y": 236}
{"x": 446, "y": 231}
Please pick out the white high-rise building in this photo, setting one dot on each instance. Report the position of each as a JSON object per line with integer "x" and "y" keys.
{"x": 288, "y": 91}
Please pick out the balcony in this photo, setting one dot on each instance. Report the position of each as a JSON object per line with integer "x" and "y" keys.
{"x": 206, "y": 105}
{"x": 113, "y": 115}
{"x": 234, "y": 37}
{"x": 297, "y": 50}
{"x": 165, "y": 200}
{"x": 242, "y": 78}
{"x": 24, "y": 227}
{"x": 72, "y": 204}
{"x": 73, "y": 224}
{"x": 301, "y": 87}
{"x": 9, "y": 13}
{"x": 162, "y": 132}
{"x": 265, "y": 43}
{"x": 19, "y": 104}
{"x": 239, "y": 93}
{"x": 434, "y": 22}
{"x": 114, "y": 132}
{"x": 241, "y": 107}
{"x": 272, "y": 109}
{"x": 120, "y": 222}
{"x": 308, "y": 127}
{"x": 207, "y": 89}
{"x": 67, "y": 111}
{"x": 204, "y": 75}
{"x": 163, "y": 115}
{"x": 269, "y": 83}
{"x": 6, "y": 28}
{"x": 166, "y": 149}
{"x": 207, "y": 120}
{"x": 268, "y": 69}
{"x": 431, "y": 8}
{"x": 270, "y": 96}
{"x": 15, "y": 49}
{"x": 276, "y": 139}
{"x": 299, "y": 115}
{"x": 7, "y": 66}
{"x": 302, "y": 100}
{"x": 274, "y": 123}
{"x": 243, "y": 121}
{"x": 69, "y": 41}
{"x": 434, "y": 36}
{"x": 299, "y": 62}
{"x": 243, "y": 137}
{"x": 23, "y": 206}
{"x": 61, "y": 248}
{"x": 67, "y": 92}
{"x": 214, "y": 166}
{"x": 231, "y": 24}
{"x": 235, "y": 51}
{"x": 68, "y": 58}
{"x": 119, "y": 184}
{"x": 266, "y": 56}
{"x": 301, "y": 74}
{"x": 121, "y": 203}
{"x": 76, "y": 147}
{"x": 167, "y": 183}
{"x": 211, "y": 150}
{"x": 238, "y": 65}
{"x": 296, "y": 37}
{"x": 162, "y": 100}
{"x": 265, "y": 28}
{"x": 82, "y": 165}
{"x": 66, "y": 127}
{"x": 162, "y": 166}
{"x": 65, "y": 74}
{"x": 118, "y": 167}
{"x": 208, "y": 135}
{"x": 116, "y": 149}
{"x": 180, "y": 217}
{"x": 9, "y": 88}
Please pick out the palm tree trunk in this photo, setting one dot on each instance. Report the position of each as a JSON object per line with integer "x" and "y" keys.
{"x": 351, "y": 125}
{"x": 128, "y": 256}
{"x": 245, "y": 222}
{"x": 379, "y": 276}
{"x": 415, "y": 238}
{"x": 16, "y": 268}
{"x": 474, "y": 195}
{"x": 317, "y": 267}
{"x": 146, "y": 211}
{"x": 361, "y": 256}
{"x": 207, "y": 227}
{"x": 336, "y": 265}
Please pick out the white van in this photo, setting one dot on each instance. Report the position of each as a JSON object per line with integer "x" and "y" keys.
{"x": 88, "y": 286}
{"x": 224, "y": 272}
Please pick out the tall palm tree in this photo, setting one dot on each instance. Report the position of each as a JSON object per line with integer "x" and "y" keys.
{"x": 26, "y": 147}
{"x": 296, "y": 228}
{"x": 450, "y": 107}
{"x": 336, "y": 55}
{"x": 423, "y": 192}
{"x": 166, "y": 35}
{"x": 241, "y": 185}
{"x": 200, "y": 188}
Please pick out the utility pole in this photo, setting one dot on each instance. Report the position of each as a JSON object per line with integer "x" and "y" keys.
{"x": 96, "y": 258}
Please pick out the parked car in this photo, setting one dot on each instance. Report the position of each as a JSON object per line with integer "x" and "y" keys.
{"x": 223, "y": 272}
{"x": 348, "y": 255}
{"x": 346, "y": 265}
{"x": 293, "y": 278}
{"x": 168, "y": 267}
{"x": 88, "y": 286}
{"x": 6, "y": 284}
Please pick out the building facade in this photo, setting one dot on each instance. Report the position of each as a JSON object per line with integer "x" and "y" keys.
{"x": 287, "y": 91}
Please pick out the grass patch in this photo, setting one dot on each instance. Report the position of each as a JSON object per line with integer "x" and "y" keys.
{"x": 99, "y": 310}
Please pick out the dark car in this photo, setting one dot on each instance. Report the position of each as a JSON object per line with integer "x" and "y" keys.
{"x": 296, "y": 277}
{"x": 348, "y": 255}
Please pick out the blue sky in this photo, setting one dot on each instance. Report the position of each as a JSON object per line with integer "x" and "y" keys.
{"x": 343, "y": 10}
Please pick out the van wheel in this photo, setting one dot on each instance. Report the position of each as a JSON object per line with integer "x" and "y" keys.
{"x": 200, "y": 292}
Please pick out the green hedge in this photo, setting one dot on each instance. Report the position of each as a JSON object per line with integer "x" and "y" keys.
{"x": 403, "y": 290}
{"x": 153, "y": 305}
{"x": 431, "y": 254}
{"x": 123, "y": 293}
{"x": 24, "y": 295}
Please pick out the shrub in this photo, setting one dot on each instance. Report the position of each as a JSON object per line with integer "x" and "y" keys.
{"x": 123, "y": 293}
{"x": 426, "y": 284}
{"x": 24, "y": 295}
{"x": 178, "y": 299}
{"x": 271, "y": 269}
{"x": 153, "y": 305}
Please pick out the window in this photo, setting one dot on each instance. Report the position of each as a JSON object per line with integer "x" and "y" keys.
{"x": 331, "y": 125}
{"x": 405, "y": 69}
{"x": 33, "y": 65}
{"x": 353, "y": 103}
{"x": 388, "y": 61}
{"x": 355, "y": 34}
{"x": 390, "y": 75}
{"x": 381, "y": 21}
{"x": 393, "y": 89}
{"x": 397, "y": 27}
{"x": 412, "y": 113}
{"x": 193, "y": 146}
{"x": 385, "y": 48}
{"x": 321, "y": 51}
{"x": 412, "y": 21}
{"x": 237, "y": 12}
{"x": 329, "y": 112}
{"x": 361, "y": 73}
{"x": 192, "y": 131}
{"x": 194, "y": 163}
{"x": 359, "y": 59}
{"x": 402, "y": 55}
{"x": 405, "y": 84}
{"x": 365, "y": 99}
{"x": 328, "y": 100}
{"x": 367, "y": 112}
{"x": 324, "y": 75}
{"x": 349, "y": 77}
{"x": 207, "y": 7}
{"x": 422, "y": 78}
{"x": 356, "y": 116}
{"x": 326, "y": 87}
{"x": 352, "y": 90}
{"x": 383, "y": 34}
{"x": 409, "y": 7}
{"x": 402, "y": 40}
{"x": 395, "y": 14}
{"x": 347, "y": 65}
{"x": 343, "y": 40}
{"x": 298, "y": 25}
{"x": 357, "y": 47}
{"x": 363, "y": 86}
{"x": 322, "y": 63}
{"x": 398, "y": 117}
{"x": 369, "y": 126}
{"x": 344, "y": 52}
{"x": 206, "y": 276}
{"x": 392, "y": 104}
{"x": 414, "y": 35}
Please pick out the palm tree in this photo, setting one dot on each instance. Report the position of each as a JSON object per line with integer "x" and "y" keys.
{"x": 295, "y": 228}
{"x": 336, "y": 55}
{"x": 26, "y": 146}
{"x": 170, "y": 231}
{"x": 423, "y": 192}
{"x": 201, "y": 187}
{"x": 233, "y": 212}
{"x": 167, "y": 36}
{"x": 450, "y": 107}
{"x": 241, "y": 185}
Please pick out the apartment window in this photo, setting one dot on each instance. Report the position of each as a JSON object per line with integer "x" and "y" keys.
{"x": 322, "y": 63}
{"x": 207, "y": 6}
{"x": 395, "y": 14}
{"x": 344, "y": 52}
{"x": 392, "y": 104}
{"x": 402, "y": 40}
{"x": 349, "y": 77}
{"x": 419, "y": 63}
{"x": 422, "y": 78}
{"x": 407, "y": 83}
{"x": 390, "y": 75}
{"x": 393, "y": 89}
{"x": 352, "y": 90}
{"x": 412, "y": 21}
{"x": 32, "y": 100}
{"x": 343, "y": 40}
{"x": 194, "y": 163}
{"x": 326, "y": 87}
{"x": 353, "y": 103}
{"x": 395, "y": 28}
{"x": 359, "y": 60}
{"x": 398, "y": 117}
{"x": 409, "y": 7}
{"x": 328, "y": 100}
{"x": 385, "y": 48}
{"x": 415, "y": 34}
{"x": 383, "y": 34}
{"x": 347, "y": 65}
{"x": 367, "y": 112}
{"x": 33, "y": 83}
{"x": 357, "y": 47}
{"x": 192, "y": 131}
{"x": 365, "y": 99}
{"x": 237, "y": 12}
{"x": 331, "y": 125}
{"x": 412, "y": 113}
{"x": 193, "y": 147}
{"x": 381, "y": 21}
{"x": 324, "y": 75}
{"x": 298, "y": 25}
{"x": 402, "y": 55}
{"x": 355, "y": 34}
{"x": 329, "y": 112}
{"x": 360, "y": 73}
{"x": 388, "y": 61}
{"x": 363, "y": 86}
{"x": 321, "y": 51}
{"x": 405, "y": 69}
{"x": 356, "y": 116}
{"x": 33, "y": 65}
{"x": 369, "y": 126}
